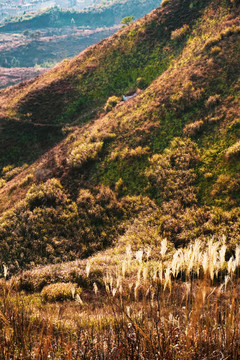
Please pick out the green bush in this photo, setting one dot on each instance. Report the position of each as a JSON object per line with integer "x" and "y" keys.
{"x": 141, "y": 83}
{"x": 180, "y": 33}
{"x": 212, "y": 101}
{"x": 233, "y": 151}
{"x": 215, "y": 50}
{"x": 2, "y": 182}
{"x": 111, "y": 103}
{"x": 8, "y": 172}
{"x": 226, "y": 185}
{"x": 41, "y": 228}
{"x": 60, "y": 292}
{"x": 194, "y": 128}
{"x": 172, "y": 173}
{"x": 49, "y": 194}
{"x": 127, "y": 153}
{"x": 84, "y": 152}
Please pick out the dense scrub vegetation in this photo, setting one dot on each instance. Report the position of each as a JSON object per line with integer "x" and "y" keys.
{"x": 175, "y": 142}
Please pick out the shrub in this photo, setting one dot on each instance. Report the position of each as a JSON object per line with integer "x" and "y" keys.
{"x": 212, "y": 41}
{"x": 180, "y": 33}
{"x": 141, "y": 83}
{"x": 7, "y": 168}
{"x": 47, "y": 226}
{"x": 10, "y": 171}
{"x": 144, "y": 230}
{"x": 225, "y": 33}
{"x": 41, "y": 228}
{"x": 101, "y": 206}
{"x": 215, "y": 50}
{"x": 111, "y": 103}
{"x": 233, "y": 151}
{"x": 234, "y": 125}
{"x": 194, "y": 128}
{"x": 171, "y": 173}
{"x": 50, "y": 194}
{"x": 127, "y": 153}
{"x": 25, "y": 181}
{"x": 84, "y": 152}
{"x": 165, "y": 2}
{"x": 60, "y": 292}
{"x": 185, "y": 95}
{"x": 2, "y": 183}
{"x": 226, "y": 185}
{"x": 119, "y": 185}
{"x": 212, "y": 101}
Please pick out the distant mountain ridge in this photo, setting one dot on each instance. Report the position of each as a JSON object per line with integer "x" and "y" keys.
{"x": 93, "y": 17}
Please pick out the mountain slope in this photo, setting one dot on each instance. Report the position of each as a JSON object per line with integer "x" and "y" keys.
{"x": 166, "y": 159}
{"x": 75, "y": 91}
{"x": 143, "y": 195}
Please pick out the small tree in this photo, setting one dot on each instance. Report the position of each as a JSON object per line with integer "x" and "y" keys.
{"x": 141, "y": 83}
{"x": 111, "y": 103}
{"x": 127, "y": 20}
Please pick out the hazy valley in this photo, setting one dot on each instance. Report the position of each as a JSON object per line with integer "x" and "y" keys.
{"x": 38, "y": 40}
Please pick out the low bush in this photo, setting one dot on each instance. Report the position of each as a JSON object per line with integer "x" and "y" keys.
{"x": 141, "y": 83}
{"x": 226, "y": 185}
{"x": 185, "y": 95}
{"x": 111, "y": 103}
{"x": 172, "y": 173}
{"x": 127, "y": 153}
{"x": 40, "y": 228}
{"x": 212, "y": 101}
{"x": 194, "y": 128}
{"x": 215, "y": 50}
{"x": 10, "y": 171}
{"x": 233, "y": 151}
{"x": 2, "y": 183}
{"x": 60, "y": 292}
{"x": 178, "y": 34}
{"x": 84, "y": 152}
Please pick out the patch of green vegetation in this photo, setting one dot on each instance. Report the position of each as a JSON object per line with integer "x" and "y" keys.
{"x": 131, "y": 171}
{"x": 60, "y": 292}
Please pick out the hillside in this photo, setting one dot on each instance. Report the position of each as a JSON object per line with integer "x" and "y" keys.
{"x": 76, "y": 90}
{"x": 137, "y": 202}
{"x": 193, "y": 105}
